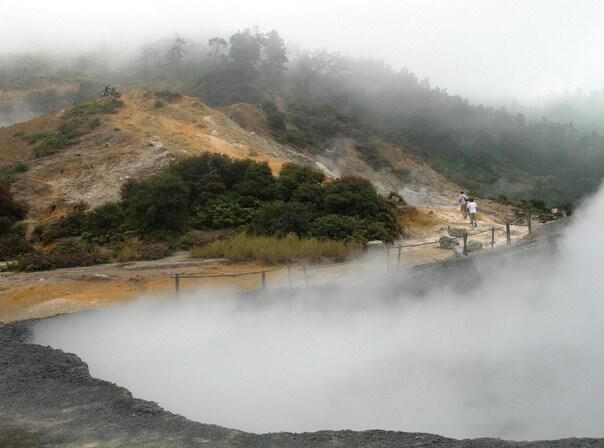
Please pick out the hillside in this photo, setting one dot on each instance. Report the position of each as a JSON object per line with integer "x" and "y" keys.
{"x": 147, "y": 133}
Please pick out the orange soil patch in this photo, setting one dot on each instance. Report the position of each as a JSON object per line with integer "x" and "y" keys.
{"x": 418, "y": 222}
{"x": 42, "y": 294}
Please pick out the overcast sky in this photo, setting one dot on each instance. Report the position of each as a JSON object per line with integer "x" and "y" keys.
{"x": 483, "y": 49}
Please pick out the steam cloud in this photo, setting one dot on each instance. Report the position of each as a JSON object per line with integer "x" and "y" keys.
{"x": 518, "y": 355}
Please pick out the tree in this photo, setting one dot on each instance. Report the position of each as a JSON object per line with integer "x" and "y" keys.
{"x": 217, "y": 48}
{"x": 244, "y": 58}
{"x": 273, "y": 60}
{"x": 176, "y": 52}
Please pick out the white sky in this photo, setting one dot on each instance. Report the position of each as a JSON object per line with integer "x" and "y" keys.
{"x": 483, "y": 49}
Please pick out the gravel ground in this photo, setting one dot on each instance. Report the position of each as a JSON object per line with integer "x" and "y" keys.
{"x": 49, "y": 399}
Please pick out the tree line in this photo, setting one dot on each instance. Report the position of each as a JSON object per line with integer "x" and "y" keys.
{"x": 312, "y": 98}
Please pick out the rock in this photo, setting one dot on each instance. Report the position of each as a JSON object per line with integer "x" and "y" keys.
{"x": 473, "y": 246}
{"x": 447, "y": 242}
{"x": 456, "y": 231}
{"x": 375, "y": 245}
{"x": 457, "y": 252}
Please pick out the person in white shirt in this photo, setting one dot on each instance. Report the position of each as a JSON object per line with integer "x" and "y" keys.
{"x": 472, "y": 209}
{"x": 463, "y": 203}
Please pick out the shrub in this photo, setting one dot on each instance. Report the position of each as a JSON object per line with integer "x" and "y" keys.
{"x": 221, "y": 212}
{"x": 13, "y": 245}
{"x": 106, "y": 221}
{"x": 63, "y": 256}
{"x": 128, "y": 251}
{"x": 292, "y": 176}
{"x": 276, "y": 119}
{"x": 353, "y": 196}
{"x": 256, "y": 181}
{"x": 72, "y": 224}
{"x": 244, "y": 247}
{"x": 10, "y": 210}
{"x": 196, "y": 238}
{"x": 77, "y": 121}
{"x": 155, "y": 251}
{"x": 338, "y": 227}
{"x": 156, "y": 204}
{"x": 168, "y": 95}
{"x": 134, "y": 250}
{"x": 281, "y": 218}
{"x": 10, "y": 173}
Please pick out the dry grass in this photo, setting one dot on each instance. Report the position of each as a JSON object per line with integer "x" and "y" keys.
{"x": 243, "y": 247}
{"x": 129, "y": 251}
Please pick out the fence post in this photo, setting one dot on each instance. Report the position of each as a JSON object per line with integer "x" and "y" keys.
{"x": 177, "y": 284}
{"x": 530, "y": 222}
{"x": 465, "y": 243}
{"x": 263, "y": 279}
{"x": 508, "y": 235}
{"x": 305, "y": 275}
{"x": 492, "y": 237}
{"x": 289, "y": 274}
{"x": 398, "y": 260}
{"x": 387, "y": 258}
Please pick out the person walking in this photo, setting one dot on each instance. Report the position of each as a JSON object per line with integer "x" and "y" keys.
{"x": 472, "y": 209}
{"x": 462, "y": 199}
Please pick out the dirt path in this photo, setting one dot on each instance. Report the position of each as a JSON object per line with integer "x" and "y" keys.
{"x": 43, "y": 294}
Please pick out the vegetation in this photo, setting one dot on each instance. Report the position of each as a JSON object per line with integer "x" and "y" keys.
{"x": 326, "y": 98}
{"x": 295, "y": 215}
{"x": 12, "y": 235}
{"x": 10, "y": 173}
{"x": 244, "y": 247}
{"x": 66, "y": 255}
{"x": 168, "y": 95}
{"x": 76, "y": 122}
{"x": 134, "y": 249}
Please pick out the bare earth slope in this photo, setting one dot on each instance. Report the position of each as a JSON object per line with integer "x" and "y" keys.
{"x": 141, "y": 138}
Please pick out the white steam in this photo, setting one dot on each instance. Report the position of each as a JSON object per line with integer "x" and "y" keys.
{"x": 518, "y": 355}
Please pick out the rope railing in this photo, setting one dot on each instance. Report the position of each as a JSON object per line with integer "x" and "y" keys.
{"x": 178, "y": 277}
{"x": 387, "y": 249}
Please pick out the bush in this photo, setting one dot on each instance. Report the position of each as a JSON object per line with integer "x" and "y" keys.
{"x": 67, "y": 255}
{"x": 77, "y": 121}
{"x": 157, "y": 204}
{"x": 196, "y": 238}
{"x": 106, "y": 221}
{"x": 353, "y": 196}
{"x": 168, "y": 95}
{"x": 72, "y": 224}
{"x": 221, "y": 212}
{"x": 10, "y": 210}
{"x": 10, "y": 173}
{"x": 273, "y": 250}
{"x": 13, "y": 245}
{"x": 281, "y": 218}
{"x": 134, "y": 250}
{"x": 338, "y": 227}
{"x": 293, "y": 177}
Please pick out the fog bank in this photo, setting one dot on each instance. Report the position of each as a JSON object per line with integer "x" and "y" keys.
{"x": 486, "y": 50}
{"x": 518, "y": 355}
